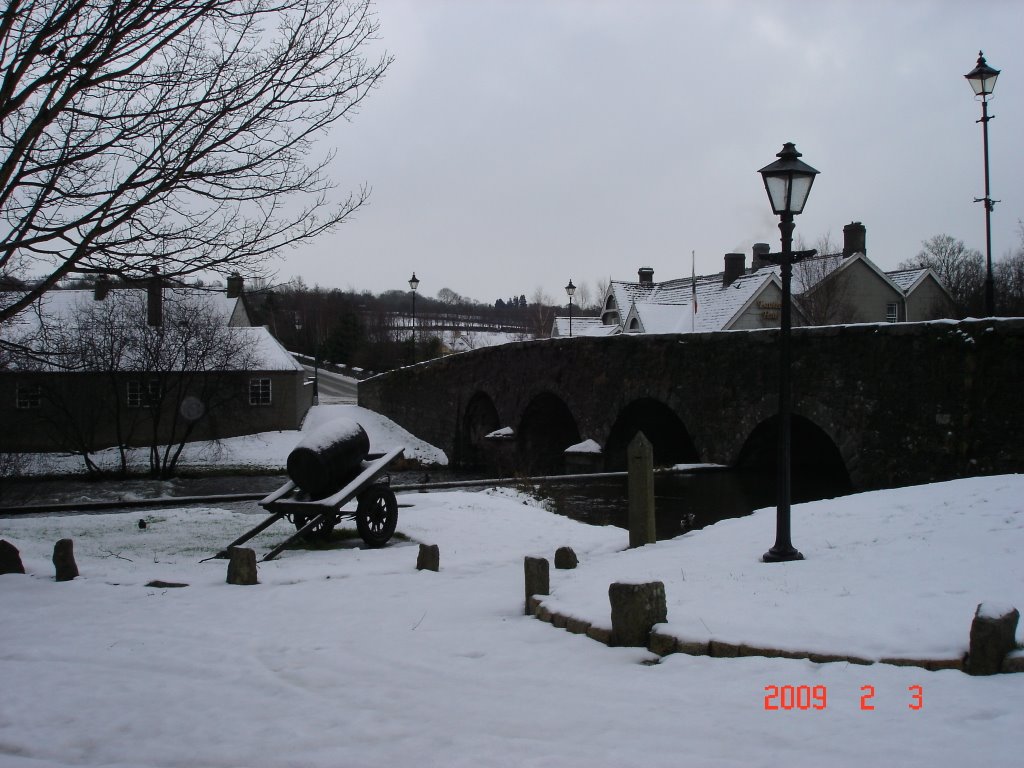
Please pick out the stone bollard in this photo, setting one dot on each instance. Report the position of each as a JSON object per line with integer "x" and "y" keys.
{"x": 640, "y": 456}
{"x": 242, "y": 566}
{"x": 10, "y": 558}
{"x": 538, "y": 580}
{"x": 64, "y": 560}
{"x": 636, "y": 608}
{"x": 429, "y": 558}
{"x": 565, "y": 558}
{"x": 993, "y": 635}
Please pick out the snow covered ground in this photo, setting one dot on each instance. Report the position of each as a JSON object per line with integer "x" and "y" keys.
{"x": 262, "y": 451}
{"x": 351, "y": 657}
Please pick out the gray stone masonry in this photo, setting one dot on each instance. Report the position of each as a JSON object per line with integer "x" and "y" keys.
{"x": 64, "y": 560}
{"x": 429, "y": 558}
{"x": 537, "y": 578}
{"x": 955, "y": 413}
{"x": 565, "y": 558}
{"x": 242, "y": 566}
{"x": 993, "y": 633}
{"x": 10, "y": 558}
{"x": 641, "y": 491}
{"x": 636, "y": 608}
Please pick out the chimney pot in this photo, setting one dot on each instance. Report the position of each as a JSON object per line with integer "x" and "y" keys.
{"x": 646, "y": 275}
{"x": 758, "y": 260}
{"x": 735, "y": 266}
{"x": 155, "y": 300}
{"x": 854, "y": 239}
{"x": 236, "y": 284}
{"x": 101, "y": 288}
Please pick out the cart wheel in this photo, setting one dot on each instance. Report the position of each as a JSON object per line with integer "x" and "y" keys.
{"x": 377, "y": 515}
{"x": 321, "y": 530}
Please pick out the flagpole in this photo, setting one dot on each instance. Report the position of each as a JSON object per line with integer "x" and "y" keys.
{"x": 693, "y": 290}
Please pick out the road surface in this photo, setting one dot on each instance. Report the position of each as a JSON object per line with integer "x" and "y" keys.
{"x": 333, "y": 387}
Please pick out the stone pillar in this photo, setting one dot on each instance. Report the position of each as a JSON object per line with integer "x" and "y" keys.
{"x": 641, "y": 491}
{"x": 242, "y": 566}
{"x": 64, "y": 560}
{"x": 538, "y": 581}
{"x": 636, "y": 608}
{"x": 429, "y": 558}
{"x": 993, "y": 635}
{"x": 10, "y": 558}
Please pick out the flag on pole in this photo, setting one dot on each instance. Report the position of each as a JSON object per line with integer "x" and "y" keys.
{"x": 693, "y": 288}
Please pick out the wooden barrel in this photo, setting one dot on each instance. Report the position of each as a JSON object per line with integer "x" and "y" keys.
{"x": 328, "y": 456}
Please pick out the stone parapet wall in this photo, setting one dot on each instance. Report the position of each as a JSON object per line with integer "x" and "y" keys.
{"x": 903, "y": 403}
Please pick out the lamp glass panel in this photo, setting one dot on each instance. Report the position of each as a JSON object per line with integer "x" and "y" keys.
{"x": 983, "y": 84}
{"x": 778, "y": 192}
{"x": 801, "y": 189}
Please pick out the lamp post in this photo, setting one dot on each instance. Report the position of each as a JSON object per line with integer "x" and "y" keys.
{"x": 316, "y": 361}
{"x": 788, "y": 182}
{"x": 414, "y": 283}
{"x": 570, "y": 289}
{"x": 983, "y": 80}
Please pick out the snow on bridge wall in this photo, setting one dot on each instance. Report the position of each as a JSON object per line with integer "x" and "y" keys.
{"x": 901, "y": 403}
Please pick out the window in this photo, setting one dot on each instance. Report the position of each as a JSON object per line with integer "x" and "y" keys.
{"x": 259, "y": 392}
{"x": 29, "y": 396}
{"x": 892, "y": 312}
{"x": 143, "y": 394}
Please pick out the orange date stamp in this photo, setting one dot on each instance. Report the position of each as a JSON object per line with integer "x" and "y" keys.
{"x": 808, "y": 697}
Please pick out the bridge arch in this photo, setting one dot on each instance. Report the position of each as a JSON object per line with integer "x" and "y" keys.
{"x": 480, "y": 419}
{"x": 546, "y": 429}
{"x": 815, "y": 459}
{"x": 660, "y": 424}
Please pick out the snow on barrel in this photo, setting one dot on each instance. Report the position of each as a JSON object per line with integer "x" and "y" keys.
{"x": 328, "y": 456}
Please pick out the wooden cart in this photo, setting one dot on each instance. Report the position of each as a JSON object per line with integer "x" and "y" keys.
{"x": 376, "y": 511}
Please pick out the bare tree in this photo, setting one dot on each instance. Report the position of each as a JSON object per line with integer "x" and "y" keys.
{"x": 960, "y": 269}
{"x": 179, "y": 135}
{"x": 821, "y": 289}
{"x": 584, "y": 296}
{"x": 542, "y": 313}
{"x": 1009, "y": 277}
{"x": 96, "y": 340}
{"x": 116, "y": 380}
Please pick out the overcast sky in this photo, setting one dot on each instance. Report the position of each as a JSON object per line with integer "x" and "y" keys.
{"x": 516, "y": 144}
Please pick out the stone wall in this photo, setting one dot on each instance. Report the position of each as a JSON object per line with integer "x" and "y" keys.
{"x": 903, "y": 403}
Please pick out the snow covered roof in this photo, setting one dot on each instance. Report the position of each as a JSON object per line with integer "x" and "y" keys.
{"x": 64, "y": 305}
{"x": 268, "y": 352}
{"x": 908, "y": 280}
{"x": 469, "y": 340}
{"x": 582, "y": 326}
{"x": 65, "y": 308}
{"x": 668, "y": 307}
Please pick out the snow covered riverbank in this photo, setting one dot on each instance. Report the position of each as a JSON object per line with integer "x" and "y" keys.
{"x": 265, "y": 451}
{"x": 351, "y": 657}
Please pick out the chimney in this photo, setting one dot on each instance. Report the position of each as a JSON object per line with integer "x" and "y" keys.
{"x": 155, "y": 300}
{"x": 236, "y": 284}
{"x": 854, "y": 238}
{"x": 758, "y": 260}
{"x": 735, "y": 266}
{"x": 101, "y": 288}
{"x": 646, "y": 275}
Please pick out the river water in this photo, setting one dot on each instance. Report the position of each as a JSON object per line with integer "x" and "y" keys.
{"x": 682, "y": 501}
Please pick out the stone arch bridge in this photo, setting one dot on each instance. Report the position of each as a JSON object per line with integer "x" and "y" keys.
{"x": 888, "y": 405}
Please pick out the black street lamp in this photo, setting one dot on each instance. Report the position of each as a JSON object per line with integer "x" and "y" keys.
{"x": 788, "y": 182}
{"x": 316, "y": 361}
{"x": 414, "y": 283}
{"x": 983, "y": 80}
{"x": 570, "y": 289}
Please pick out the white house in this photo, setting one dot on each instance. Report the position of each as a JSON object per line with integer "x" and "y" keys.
{"x": 827, "y": 289}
